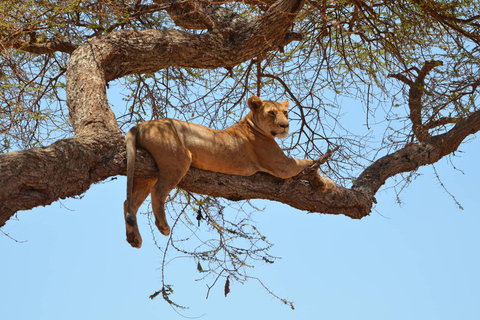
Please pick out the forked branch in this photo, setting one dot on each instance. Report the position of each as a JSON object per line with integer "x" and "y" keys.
{"x": 415, "y": 95}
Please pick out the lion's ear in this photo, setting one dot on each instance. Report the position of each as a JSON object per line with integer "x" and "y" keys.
{"x": 285, "y": 103}
{"x": 255, "y": 103}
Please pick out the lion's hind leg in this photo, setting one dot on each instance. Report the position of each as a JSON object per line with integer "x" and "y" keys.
{"x": 160, "y": 192}
{"x": 141, "y": 189}
{"x": 172, "y": 167}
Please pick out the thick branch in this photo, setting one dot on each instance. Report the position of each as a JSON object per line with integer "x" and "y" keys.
{"x": 232, "y": 42}
{"x": 127, "y": 52}
{"x": 201, "y": 15}
{"x": 415, "y": 155}
{"x": 68, "y": 167}
{"x": 41, "y": 47}
{"x": 415, "y": 95}
{"x": 300, "y": 195}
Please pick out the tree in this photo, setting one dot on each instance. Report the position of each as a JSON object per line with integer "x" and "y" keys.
{"x": 414, "y": 65}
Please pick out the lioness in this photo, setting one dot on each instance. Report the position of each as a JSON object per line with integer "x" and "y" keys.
{"x": 243, "y": 149}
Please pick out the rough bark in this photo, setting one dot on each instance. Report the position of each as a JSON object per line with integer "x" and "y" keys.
{"x": 67, "y": 168}
{"x": 415, "y": 95}
{"x": 78, "y": 162}
{"x": 48, "y": 46}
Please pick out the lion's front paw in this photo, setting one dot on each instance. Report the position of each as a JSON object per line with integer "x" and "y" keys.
{"x": 324, "y": 184}
{"x": 329, "y": 185}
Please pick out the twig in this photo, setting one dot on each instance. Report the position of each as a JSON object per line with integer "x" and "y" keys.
{"x": 312, "y": 169}
{"x": 9, "y": 236}
{"x": 309, "y": 172}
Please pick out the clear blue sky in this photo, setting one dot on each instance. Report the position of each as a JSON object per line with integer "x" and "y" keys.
{"x": 419, "y": 260}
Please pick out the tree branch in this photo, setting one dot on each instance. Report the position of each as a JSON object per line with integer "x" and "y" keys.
{"x": 201, "y": 15}
{"x": 415, "y": 155}
{"x": 76, "y": 163}
{"x": 42, "y": 47}
{"x": 415, "y": 95}
{"x": 125, "y": 52}
{"x": 92, "y": 155}
{"x": 67, "y": 168}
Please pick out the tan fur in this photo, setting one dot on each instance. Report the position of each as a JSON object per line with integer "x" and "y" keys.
{"x": 243, "y": 149}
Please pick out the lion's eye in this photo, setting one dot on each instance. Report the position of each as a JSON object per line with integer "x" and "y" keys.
{"x": 271, "y": 113}
{"x": 286, "y": 114}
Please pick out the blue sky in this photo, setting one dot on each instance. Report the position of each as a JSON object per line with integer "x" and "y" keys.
{"x": 417, "y": 260}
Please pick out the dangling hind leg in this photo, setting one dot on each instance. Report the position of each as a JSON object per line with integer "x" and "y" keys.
{"x": 168, "y": 179}
{"x": 160, "y": 193}
{"x": 141, "y": 189}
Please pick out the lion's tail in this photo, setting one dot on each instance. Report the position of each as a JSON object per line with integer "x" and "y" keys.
{"x": 131, "y": 151}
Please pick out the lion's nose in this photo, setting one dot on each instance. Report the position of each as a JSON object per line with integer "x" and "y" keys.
{"x": 285, "y": 125}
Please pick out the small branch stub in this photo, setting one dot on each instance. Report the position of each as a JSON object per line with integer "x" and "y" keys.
{"x": 312, "y": 169}
{"x": 309, "y": 172}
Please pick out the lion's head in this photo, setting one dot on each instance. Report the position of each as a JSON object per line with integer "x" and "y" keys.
{"x": 270, "y": 117}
